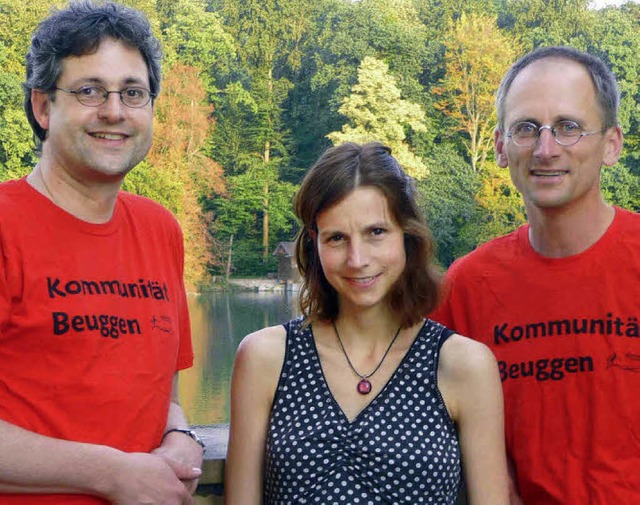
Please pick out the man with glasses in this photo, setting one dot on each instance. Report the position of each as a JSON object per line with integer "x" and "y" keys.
{"x": 558, "y": 300}
{"x": 93, "y": 316}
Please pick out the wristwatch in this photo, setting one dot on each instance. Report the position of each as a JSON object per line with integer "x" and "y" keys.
{"x": 189, "y": 433}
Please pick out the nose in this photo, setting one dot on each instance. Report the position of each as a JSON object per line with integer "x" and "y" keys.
{"x": 357, "y": 256}
{"x": 112, "y": 109}
{"x": 546, "y": 145}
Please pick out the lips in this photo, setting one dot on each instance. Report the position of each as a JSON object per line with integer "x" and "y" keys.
{"x": 109, "y": 136}
{"x": 549, "y": 173}
{"x": 363, "y": 280}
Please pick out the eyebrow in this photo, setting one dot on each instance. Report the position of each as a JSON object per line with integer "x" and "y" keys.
{"x": 129, "y": 81}
{"x": 369, "y": 227}
{"x": 564, "y": 117}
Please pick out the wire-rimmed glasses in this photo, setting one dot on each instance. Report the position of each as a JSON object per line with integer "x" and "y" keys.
{"x": 94, "y": 96}
{"x": 565, "y": 133}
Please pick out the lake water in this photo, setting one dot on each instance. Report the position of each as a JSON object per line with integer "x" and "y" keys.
{"x": 219, "y": 321}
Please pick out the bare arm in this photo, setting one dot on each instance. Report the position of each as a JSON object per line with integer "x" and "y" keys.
{"x": 35, "y": 464}
{"x": 471, "y": 386}
{"x": 177, "y": 449}
{"x": 255, "y": 376}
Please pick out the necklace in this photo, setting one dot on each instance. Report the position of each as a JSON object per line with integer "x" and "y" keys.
{"x": 364, "y": 386}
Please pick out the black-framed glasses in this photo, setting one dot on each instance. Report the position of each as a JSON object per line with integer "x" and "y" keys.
{"x": 94, "y": 96}
{"x": 565, "y": 133}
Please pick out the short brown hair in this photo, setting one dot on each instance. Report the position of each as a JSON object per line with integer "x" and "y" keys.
{"x": 603, "y": 79}
{"x": 338, "y": 172}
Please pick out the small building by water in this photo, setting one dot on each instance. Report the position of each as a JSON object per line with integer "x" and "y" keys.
{"x": 287, "y": 267}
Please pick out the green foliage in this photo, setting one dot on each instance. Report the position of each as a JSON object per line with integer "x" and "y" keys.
{"x": 500, "y": 208}
{"x": 376, "y": 112}
{"x": 16, "y": 146}
{"x": 616, "y": 39}
{"x": 156, "y": 184}
{"x": 240, "y": 214}
{"x": 620, "y": 187}
{"x": 448, "y": 199}
{"x": 197, "y": 37}
{"x": 341, "y": 34}
{"x": 547, "y": 22}
{"x": 247, "y": 261}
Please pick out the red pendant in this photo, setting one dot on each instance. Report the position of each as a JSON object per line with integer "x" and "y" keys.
{"x": 364, "y": 387}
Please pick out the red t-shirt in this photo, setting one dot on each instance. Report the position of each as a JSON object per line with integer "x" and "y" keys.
{"x": 93, "y": 323}
{"x": 567, "y": 338}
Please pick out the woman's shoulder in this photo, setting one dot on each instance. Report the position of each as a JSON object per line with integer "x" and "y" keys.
{"x": 258, "y": 364}
{"x": 467, "y": 373}
{"x": 264, "y": 344}
{"x": 462, "y": 357}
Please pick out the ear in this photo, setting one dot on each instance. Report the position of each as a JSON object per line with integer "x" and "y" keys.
{"x": 613, "y": 146}
{"x": 40, "y": 107}
{"x": 501, "y": 155}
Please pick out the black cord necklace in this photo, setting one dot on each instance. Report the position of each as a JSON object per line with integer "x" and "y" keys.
{"x": 364, "y": 386}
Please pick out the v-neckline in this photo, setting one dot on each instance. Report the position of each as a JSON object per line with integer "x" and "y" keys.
{"x": 367, "y": 407}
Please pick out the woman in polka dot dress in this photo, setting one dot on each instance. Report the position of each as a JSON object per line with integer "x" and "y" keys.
{"x": 362, "y": 400}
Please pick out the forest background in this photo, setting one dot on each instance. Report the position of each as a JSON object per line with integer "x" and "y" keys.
{"x": 255, "y": 90}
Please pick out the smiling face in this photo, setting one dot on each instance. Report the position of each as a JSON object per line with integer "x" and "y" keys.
{"x": 361, "y": 248}
{"x": 547, "y": 174}
{"x": 103, "y": 142}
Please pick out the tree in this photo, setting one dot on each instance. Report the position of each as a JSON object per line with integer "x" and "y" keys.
{"x": 449, "y": 201}
{"x": 16, "y": 145}
{"x": 620, "y": 187}
{"x": 477, "y": 56}
{"x": 17, "y": 22}
{"x": 500, "y": 207}
{"x": 197, "y": 37}
{"x": 179, "y": 168}
{"x": 341, "y": 35}
{"x": 376, "y": 112}
{"x": 268, "y": 35}
{"x": 538, "y": 23}
{"x": 616, "y": 39}
{"x": 238, "y": 214}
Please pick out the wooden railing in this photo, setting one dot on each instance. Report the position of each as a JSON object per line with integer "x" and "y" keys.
{"x": 216, "y": 438}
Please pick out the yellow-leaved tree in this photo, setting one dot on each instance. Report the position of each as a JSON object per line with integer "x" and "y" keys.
{"x": 477, "y": 55}
{"x": 377, "y": 112}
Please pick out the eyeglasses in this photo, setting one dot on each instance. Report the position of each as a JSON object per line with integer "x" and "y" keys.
{"x": 565, "y": 133}
{"x": 94, "y": 96}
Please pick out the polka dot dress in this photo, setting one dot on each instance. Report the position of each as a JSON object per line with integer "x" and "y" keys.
{"x": 402, "y": 448}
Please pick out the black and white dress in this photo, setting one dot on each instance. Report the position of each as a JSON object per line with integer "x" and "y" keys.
{"x": 402, "y": 448}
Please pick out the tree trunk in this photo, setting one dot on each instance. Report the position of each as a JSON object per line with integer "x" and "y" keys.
{"x": 228, "y": 272}
{"x": 265, "y": 215}
{"x": 266, "y": 157}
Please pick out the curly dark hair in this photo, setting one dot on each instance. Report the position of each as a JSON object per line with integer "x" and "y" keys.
{"x": 76, "y": 31}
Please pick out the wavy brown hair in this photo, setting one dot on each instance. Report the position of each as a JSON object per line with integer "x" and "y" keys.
{"x": 337, "y": 173}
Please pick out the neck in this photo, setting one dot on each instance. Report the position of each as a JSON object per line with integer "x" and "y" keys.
{"x": 91, "y": 202}
{"x": 562, "y": 232}
{"x": 376, "y": 325}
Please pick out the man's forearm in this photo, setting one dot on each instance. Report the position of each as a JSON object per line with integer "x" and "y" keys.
{"x": 33, "y": 463}
{"x": 175, "y": 417}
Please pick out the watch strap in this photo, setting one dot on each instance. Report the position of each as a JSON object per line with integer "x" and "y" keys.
{"x": 190, "y": 433}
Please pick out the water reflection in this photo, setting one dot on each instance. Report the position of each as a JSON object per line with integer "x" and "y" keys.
{"x": 218, "y": 323}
